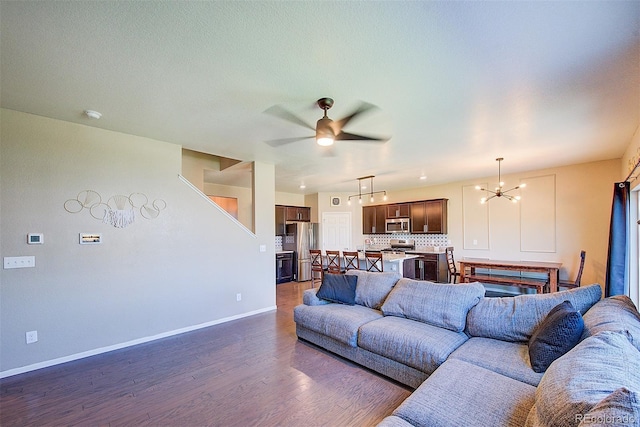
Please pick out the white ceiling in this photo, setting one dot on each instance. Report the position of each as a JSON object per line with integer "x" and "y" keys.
{"x": 457, "y": 84}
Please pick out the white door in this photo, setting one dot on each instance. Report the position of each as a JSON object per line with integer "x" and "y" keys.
{"x": 336, "y": 231}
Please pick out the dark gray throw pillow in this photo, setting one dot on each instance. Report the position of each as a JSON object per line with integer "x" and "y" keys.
{"x": 558, "y": 333}
{"x": 338, "y": 288}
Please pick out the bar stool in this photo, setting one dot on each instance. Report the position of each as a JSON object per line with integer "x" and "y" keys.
{"x": 317, "y": 271}
{"x": 351, "y": 260}
{"x": 373, "y": 261}
{"x": 333, "y": 262}
{"x": 451, "y": 264}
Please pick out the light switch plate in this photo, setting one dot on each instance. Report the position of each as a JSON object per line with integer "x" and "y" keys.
{"x": 19, "y": 262}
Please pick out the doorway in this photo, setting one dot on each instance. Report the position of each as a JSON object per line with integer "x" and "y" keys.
{"x": 336, "y": 231}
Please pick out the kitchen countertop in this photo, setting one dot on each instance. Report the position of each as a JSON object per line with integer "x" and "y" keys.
{"x": 284, "y": 252}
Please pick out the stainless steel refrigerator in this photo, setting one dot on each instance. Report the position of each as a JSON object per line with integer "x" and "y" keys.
{"x": 300, "y": 237}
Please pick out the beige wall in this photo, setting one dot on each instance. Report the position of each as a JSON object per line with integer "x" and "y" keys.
{"x": 583, "y": 202}
{"x": 289, "y": 199}
{"x": 153, "y": 278}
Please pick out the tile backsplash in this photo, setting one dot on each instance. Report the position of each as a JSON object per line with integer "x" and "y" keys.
{"x": 384, "y": 239}
{"x": 421, "y": 239}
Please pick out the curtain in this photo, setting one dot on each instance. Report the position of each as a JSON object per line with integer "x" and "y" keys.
{"x": 617, "y": 260}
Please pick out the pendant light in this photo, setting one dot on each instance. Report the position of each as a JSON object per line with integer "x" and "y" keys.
{"x": 499, "y": 191}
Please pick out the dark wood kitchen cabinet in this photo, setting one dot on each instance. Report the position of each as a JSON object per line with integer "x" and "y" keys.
{"x": 290, "y": 213}
{"x": 296, "y": 213}
{"x": 373, "y": 218}
{"x": 398, "y": 210}
{"x": 429, "y": 216}
{"x": 431, "y": 267}
{"x": 281, "y": 219}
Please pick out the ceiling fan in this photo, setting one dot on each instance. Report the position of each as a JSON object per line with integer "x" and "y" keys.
{"x": 327, "y": 130}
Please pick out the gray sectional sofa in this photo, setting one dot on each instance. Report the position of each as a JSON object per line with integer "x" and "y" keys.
{"x": 467, "y": 356}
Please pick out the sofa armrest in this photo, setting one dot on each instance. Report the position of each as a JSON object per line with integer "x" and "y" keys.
{"x": 309, "y": 298}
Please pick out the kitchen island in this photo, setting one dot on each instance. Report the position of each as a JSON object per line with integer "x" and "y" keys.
{"x": 390, "y": 261}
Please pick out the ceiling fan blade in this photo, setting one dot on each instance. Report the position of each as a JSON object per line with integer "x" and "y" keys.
{"x": 287, "y": 115}
{"x": 345, "y": 136}
{"x": 284, "y": 141}
{"x": 363, "y": 108}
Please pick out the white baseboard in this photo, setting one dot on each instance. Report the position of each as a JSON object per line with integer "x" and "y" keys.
{"x": 89, "y": 353}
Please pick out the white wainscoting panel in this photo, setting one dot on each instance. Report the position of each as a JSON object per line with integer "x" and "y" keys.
{"x": 538, "y": 214}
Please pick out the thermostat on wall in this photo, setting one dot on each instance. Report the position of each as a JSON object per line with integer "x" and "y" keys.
{"x": 35, "y": 238}
{"x": 90, "y": 238}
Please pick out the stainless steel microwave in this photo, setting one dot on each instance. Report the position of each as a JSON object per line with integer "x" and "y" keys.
{"x": 397, "y": 225}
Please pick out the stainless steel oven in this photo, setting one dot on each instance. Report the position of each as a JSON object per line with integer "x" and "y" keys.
{"x": 397, "y": 225}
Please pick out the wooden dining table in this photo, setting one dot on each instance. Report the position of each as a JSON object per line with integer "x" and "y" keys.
{"x": 495, "y": 267}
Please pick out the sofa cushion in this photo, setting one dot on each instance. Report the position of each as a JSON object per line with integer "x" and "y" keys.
{"x": 337, "y": 321}
{"x": 584, "y": 376}
{"x": 338, "y": 288}
{"x": 415, "y": 344}
{"x": 437, "y": 304}
{"x": 310, "y": 297}
{"x": 515, "y": 318}
{"x": 373, "y": 288}
{"x": 461, "y": 394}
{"x": 558, "y": 333}
{"x": 620, "y": 408}
{"x": 510, "y": 359}
{"x": 617, "y": 313}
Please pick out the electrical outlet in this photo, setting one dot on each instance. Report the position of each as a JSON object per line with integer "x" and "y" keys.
{"x": 32, "y": 336}
{"x": 238, "y": 297}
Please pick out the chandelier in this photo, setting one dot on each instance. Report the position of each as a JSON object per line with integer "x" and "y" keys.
{"x": 499, "y": 192}
{"x": 369, "y": 193}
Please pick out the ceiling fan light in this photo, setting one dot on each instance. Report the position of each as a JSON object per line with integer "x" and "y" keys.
{"x": 325, "y": 141}
{"x": 324, "y": 132}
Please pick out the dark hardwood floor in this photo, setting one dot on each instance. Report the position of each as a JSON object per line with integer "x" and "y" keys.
{"x": 247, "y": 372}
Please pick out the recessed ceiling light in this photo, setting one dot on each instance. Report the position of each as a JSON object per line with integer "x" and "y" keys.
{"x": 302, "y": 186}
{"x": 423, "y": 177}
{"x": 92, "y": 114}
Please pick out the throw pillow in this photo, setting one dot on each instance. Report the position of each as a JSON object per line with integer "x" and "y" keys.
{"x": 558, "y": 333}
{"x": 338, "y": 288}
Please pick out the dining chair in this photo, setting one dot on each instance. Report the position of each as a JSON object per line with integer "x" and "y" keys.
{"x": 373, "y": 261}
{"x": 451, "y": 264}
{"x": 317, "y": 270}
{"x": 351, "y": 260}
{"x": 333, "y": 262}
{"x": 575, "y": 283}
